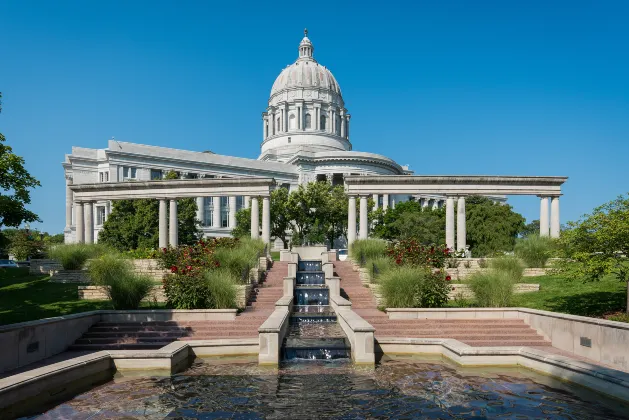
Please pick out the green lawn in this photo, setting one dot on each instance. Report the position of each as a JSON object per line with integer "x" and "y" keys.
{"x": 25, "y": 298}
{"x": 275, "y": 255}
{"x": 573, "y": 296}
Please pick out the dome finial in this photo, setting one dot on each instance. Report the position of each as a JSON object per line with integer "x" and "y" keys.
{"x": 305, "y": 47}
{"x": 306, "y": 32}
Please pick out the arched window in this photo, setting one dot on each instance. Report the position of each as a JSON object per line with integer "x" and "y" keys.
{"x": 291, "y": 122}
{"x": 308, "y": 121}
{"x": 277, "y": 130}
{"x": 323, "y": 122}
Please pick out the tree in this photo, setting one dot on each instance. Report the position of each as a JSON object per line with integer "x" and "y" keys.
{"x": 598, "y": 243}
{"x": 134, "y": 224}
{"x": 491, "y": 227}
{"x": 15, "y": 182}
{"x": 280, "y": 223}
{"x": 25, "y": 244}
{"x": 530, "y": 229}
{"x": 408, "y": 220}
{"x": 243, "y": 223}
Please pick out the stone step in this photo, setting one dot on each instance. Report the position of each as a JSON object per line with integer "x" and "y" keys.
{"x": 462, "y": 336}
{"x": 447, "y": 321}
{"x": 507, "y": 343}
{"x": 117, "y": 346}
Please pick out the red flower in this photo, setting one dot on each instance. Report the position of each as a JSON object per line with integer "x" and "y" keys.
{"x": 398, "y": 261}
{"x": 448, "y": 278}
{"x": 188, "y": 268}
{"x": 217, "y": 264}
{"x": 173, "y": 269}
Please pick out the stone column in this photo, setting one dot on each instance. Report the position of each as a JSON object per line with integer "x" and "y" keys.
{"x": 375, "y": 202}
{"x": 555, "y": 226}
{"x": 264, "y": 125}
{"x": 216, "y": 212}
{"x": 298, "y": 117}
{"x": 107, "y": 210}
{"x": 317, "y": 117}
{"x": 351, "y": 220}
{"x": 69, "y": 196}
{"x": 163, "y": 223}
{"x": 543, "y": 216}
{"x": 272, "y": 125}
{"x": 364, "y": 227}
{"x": 247, "y": 200}
{"x": 347, "y": 126}
{"x": 266, "y": 221}
{"x": 173, "y": 234}
{"x": 285, "y": 119}
{"x": 393, "y": 202}
{"x": 200, "y": 212}
{"x": 232, "y": 211}
{"x": 342, "y": 124}
{"x": 385, "y": 202}
{"x": 80, "y": 225}
{"x": 450, "y": 223}
{"x": 425, "y": 202}
{"x": 461, "y": 231}
{"x": 88, "y": 211}
{"x": 255, "y": 218}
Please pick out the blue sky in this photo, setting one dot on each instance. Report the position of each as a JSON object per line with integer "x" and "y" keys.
{"x": 449, "y": 87}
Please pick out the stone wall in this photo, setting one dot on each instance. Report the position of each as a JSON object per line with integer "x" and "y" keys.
{"x": 99, "y": 293}
{"x": 41, "y": 266}
{"x": 69, "y": 276}
{"x": 150, "y": 268}
{"x": 463, "y": 273}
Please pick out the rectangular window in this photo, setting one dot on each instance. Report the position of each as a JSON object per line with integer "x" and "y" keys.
{"x": 128, "y": 173}
{"x": 107, "y": 176}
{"x": 156, "y": 174}
{"x": 101, "y": 176}
{"x": 224, "y": 212}
{"x": 240, "y": 202}
{"x": 100, "y": 215}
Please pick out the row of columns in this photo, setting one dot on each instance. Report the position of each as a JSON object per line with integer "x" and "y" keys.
{"x": 276, "y": 121}
{"x": 544, "y": 219}
{"x": 85, "y": 219}
{"x": 216, "y": 214}
{"x": 461, "y": 229}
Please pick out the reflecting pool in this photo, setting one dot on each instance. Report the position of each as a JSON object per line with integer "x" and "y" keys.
{"x": 397, "y": 388}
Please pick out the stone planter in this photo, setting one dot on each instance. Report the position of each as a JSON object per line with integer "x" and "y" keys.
{"x": 99, "y": 293}
{"x": 243, "y": 291}
{"x": 70, "y": 276}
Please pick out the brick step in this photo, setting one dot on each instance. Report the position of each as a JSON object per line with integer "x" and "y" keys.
{"x": 505, "y": 343}
{"x": 168, "y": 324}
{"x": 493, "y": 331}
{"x": 117, "y": 346}
{"x": 462, "y": 336}
{"x": 465, "y": 322}
{"x": 96, "y": 334}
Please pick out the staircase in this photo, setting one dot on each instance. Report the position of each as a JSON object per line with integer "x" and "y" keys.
{"x": 474, "y": 332}
{"x": 154, "y": 335}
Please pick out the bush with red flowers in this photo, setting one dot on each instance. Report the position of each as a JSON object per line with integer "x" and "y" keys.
{"x": 411, "y": 252}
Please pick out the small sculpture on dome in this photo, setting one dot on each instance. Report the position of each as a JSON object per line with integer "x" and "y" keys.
{"x": 306, "y": 32}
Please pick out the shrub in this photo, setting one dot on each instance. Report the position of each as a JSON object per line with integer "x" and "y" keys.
{"x": 187, "y": 291}
{"x": 74, "y": 256}
{"x": 142, "y": 254}
{"x": 378, "y": 266}
{"x": 238, "y": 261}
{"x": 222, "y": 288}
{"x": 534, "y": 250}
{"x": 493, "y": 289}
{"x": 510, "y": 265}
{"x": 414, "y": 287}
{"x": 189, "y": 259}
{"x": 362, "y": 250}
{"x": 124, "y": 288}
{"x": 411, "y": 252}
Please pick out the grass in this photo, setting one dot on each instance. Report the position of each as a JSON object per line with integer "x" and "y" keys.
{"x": 275, "y": 255}
{"x": 534, "y": 250}
{"x": 367, "y": 249}
{"x": 573, "y": 296}
{"x": 26, "y": 298}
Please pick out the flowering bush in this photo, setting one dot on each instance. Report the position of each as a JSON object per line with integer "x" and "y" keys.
{"x": 411, "y": 252}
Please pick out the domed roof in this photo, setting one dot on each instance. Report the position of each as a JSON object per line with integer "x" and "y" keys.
{"x": 306, "y": 72}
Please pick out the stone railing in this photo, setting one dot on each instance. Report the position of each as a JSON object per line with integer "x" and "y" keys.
{"x": 272, "y": 332}
{"x": 359, "y": 332}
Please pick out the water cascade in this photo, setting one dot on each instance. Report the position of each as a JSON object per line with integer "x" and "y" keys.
{"x": 314, "y": 332}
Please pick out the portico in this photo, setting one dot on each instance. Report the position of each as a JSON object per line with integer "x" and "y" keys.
{"x": 455, "y": 189}
{"x": 168, "y": 192}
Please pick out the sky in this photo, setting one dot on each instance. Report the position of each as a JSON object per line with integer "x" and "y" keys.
{"x": 447, "y": 87}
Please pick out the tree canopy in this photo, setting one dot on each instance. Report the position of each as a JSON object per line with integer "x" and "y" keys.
{"x": 598, "y": 243}
{"x": 134, "y": 224}
{"x": 408, "y": 220}
{"x": 15, "y": 182}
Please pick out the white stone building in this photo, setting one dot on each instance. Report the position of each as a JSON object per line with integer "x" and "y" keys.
{"x": 306, "y": 137}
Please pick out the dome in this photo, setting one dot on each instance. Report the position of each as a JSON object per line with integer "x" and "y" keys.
{"x": 305, "y": 72}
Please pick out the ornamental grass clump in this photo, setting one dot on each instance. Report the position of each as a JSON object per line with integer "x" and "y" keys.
{"x": 124, "y": 288}
{"x": 415, "y": 287}
{"x": 493, "y": 288}
{"x": 534, "y": 250}
{"x": 221, "y": 285}
{"x": 362, "y": 250}
{"x": 378, "y": 266}
{"x": 512, "y": 266}
{"x": 238, "y": 261}
{"x": 74, "y": 256}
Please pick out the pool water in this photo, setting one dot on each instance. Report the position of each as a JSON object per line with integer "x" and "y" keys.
{"x": 397, "y": 388}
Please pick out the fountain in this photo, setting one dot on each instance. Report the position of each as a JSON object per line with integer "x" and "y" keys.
{"x": 314, "y": 332}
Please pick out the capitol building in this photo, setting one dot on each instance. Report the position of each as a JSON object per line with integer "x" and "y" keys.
{"x": 306, "y": 136}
